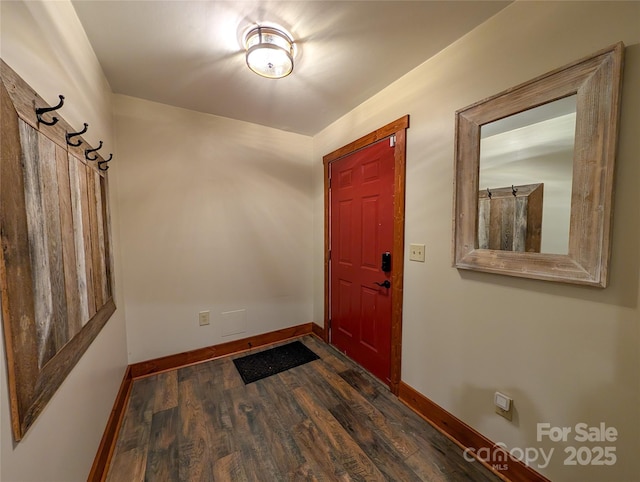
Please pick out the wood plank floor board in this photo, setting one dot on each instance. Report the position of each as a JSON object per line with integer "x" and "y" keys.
{"x": 162, "y": 461}
{"x": 375, "y": 419}
{"x": 130, "y": 456}
{"x": 397, "y": 413}
{"x": 316, "y": 450}
{"x": 129, "y": 465}
{"x": 328, "y": 355}
{"x": 357, "y": 464}
{"x": 390, "y": 462}
{"x": 137, "y": 422}
{"x": 255, "y": 455}
{"x": 194, "y": 462}
{"x": 327, "y": 420}
{"x": 278, "y": 440}
{"x": 216, "y": 412}
{"x": 387, "y": 449}
{"x": 281, "y": 403}
{"x": 230, "y": 467}
{"x": 166, "y": 394}
{"x": 230, "y": 376}
{"x": 280, "y": 414}
{"x": 433, "y": 459}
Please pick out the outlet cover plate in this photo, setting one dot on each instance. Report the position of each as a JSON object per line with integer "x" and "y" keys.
{"x": 416, "y": 252}
{"x": 504, "y": 405}
{"x": 508, "y": 414}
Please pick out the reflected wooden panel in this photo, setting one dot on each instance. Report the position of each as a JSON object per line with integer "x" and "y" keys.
{"x": 510, "y": 218}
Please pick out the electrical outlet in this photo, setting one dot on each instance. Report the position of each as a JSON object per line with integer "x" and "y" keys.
{"x": 416, "y": 252}
{"x": 504, "y": 405}
{"x": 203, "y": 318}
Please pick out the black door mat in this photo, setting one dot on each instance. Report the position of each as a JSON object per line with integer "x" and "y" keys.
{"x": 275, "y": 360}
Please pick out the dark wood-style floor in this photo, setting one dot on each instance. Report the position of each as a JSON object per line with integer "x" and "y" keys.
{"x": 326, "y": 420}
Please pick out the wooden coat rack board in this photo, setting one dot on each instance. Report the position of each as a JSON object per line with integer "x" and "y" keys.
{"x": 55, "y": 262}
{"x": 510, "y": 218}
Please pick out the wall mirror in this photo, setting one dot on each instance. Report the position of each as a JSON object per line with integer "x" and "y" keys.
{"x": 534, "y": 172}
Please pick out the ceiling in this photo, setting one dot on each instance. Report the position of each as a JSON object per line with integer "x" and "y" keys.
{"x": 189, "y": 53}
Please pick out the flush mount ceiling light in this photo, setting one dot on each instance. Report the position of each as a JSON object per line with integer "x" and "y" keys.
{"x": 269, "y": 52}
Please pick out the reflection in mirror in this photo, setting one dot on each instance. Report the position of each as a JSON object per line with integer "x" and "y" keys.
{"x": 529, "y": 148}
{"x": 510, "y": 218}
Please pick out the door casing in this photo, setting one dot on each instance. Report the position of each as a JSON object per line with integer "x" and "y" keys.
{"x": 397, "y": 128}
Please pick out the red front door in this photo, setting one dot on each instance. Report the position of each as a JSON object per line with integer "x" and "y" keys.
{"x": 361, "y": 230}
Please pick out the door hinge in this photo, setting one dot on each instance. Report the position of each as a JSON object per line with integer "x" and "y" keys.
{"x": 392, "y": 141}
{"x": 329, "y": 255}
{"x": 329, "y": 183}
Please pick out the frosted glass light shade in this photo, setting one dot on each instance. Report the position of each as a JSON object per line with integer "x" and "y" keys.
{"x": 269, "y": 52}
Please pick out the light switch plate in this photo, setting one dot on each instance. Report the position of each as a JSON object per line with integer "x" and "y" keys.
{"x": 416, "y": 252}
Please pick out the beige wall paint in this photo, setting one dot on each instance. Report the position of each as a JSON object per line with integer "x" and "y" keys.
{"x": 566, "y": 354}
{"x": 216, "y": 215}
{"x": 46, "y": 45}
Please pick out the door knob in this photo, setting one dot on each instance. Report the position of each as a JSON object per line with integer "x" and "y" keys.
{"x": 384, "y": 284}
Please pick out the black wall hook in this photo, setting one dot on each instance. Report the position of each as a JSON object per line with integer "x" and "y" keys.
{"x": 100, "y": 163}
{"x": 488, "y": 193}
{"x": 513, "y": 190}
{"x": 89, "y": 151}
{"x": 44, "y": 110}
{"x": 73, "y": 134}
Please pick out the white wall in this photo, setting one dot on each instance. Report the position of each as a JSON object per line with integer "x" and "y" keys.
{"x": 216, "y": 216}
{"x": 46, "y": 45}
{"x": 566, "y": 354}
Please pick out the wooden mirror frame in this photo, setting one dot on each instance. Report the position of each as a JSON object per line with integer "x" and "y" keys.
{"x": 597, "y": 82}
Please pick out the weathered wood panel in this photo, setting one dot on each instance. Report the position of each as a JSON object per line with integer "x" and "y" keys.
{"x": 78, "y": 237}
{"x": 535, "y": 200}
{"x": 522, "y": 224}
{"x": 495, "y": 223}
{"x": 74, "y": 317}
{"x": 106, "y": 224}
{"x": 484, "y": 210}
{"x": 58, "y": 330}
{"x": 96, "y": 266}
{"x": 101, "y": 264}
{"x": 55, "y": 238}
{"x": 86, "y": 234}
{"x": 17, "y": 298}
{"x": 38, "y": 252}
{"x": 508, "y": 221}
